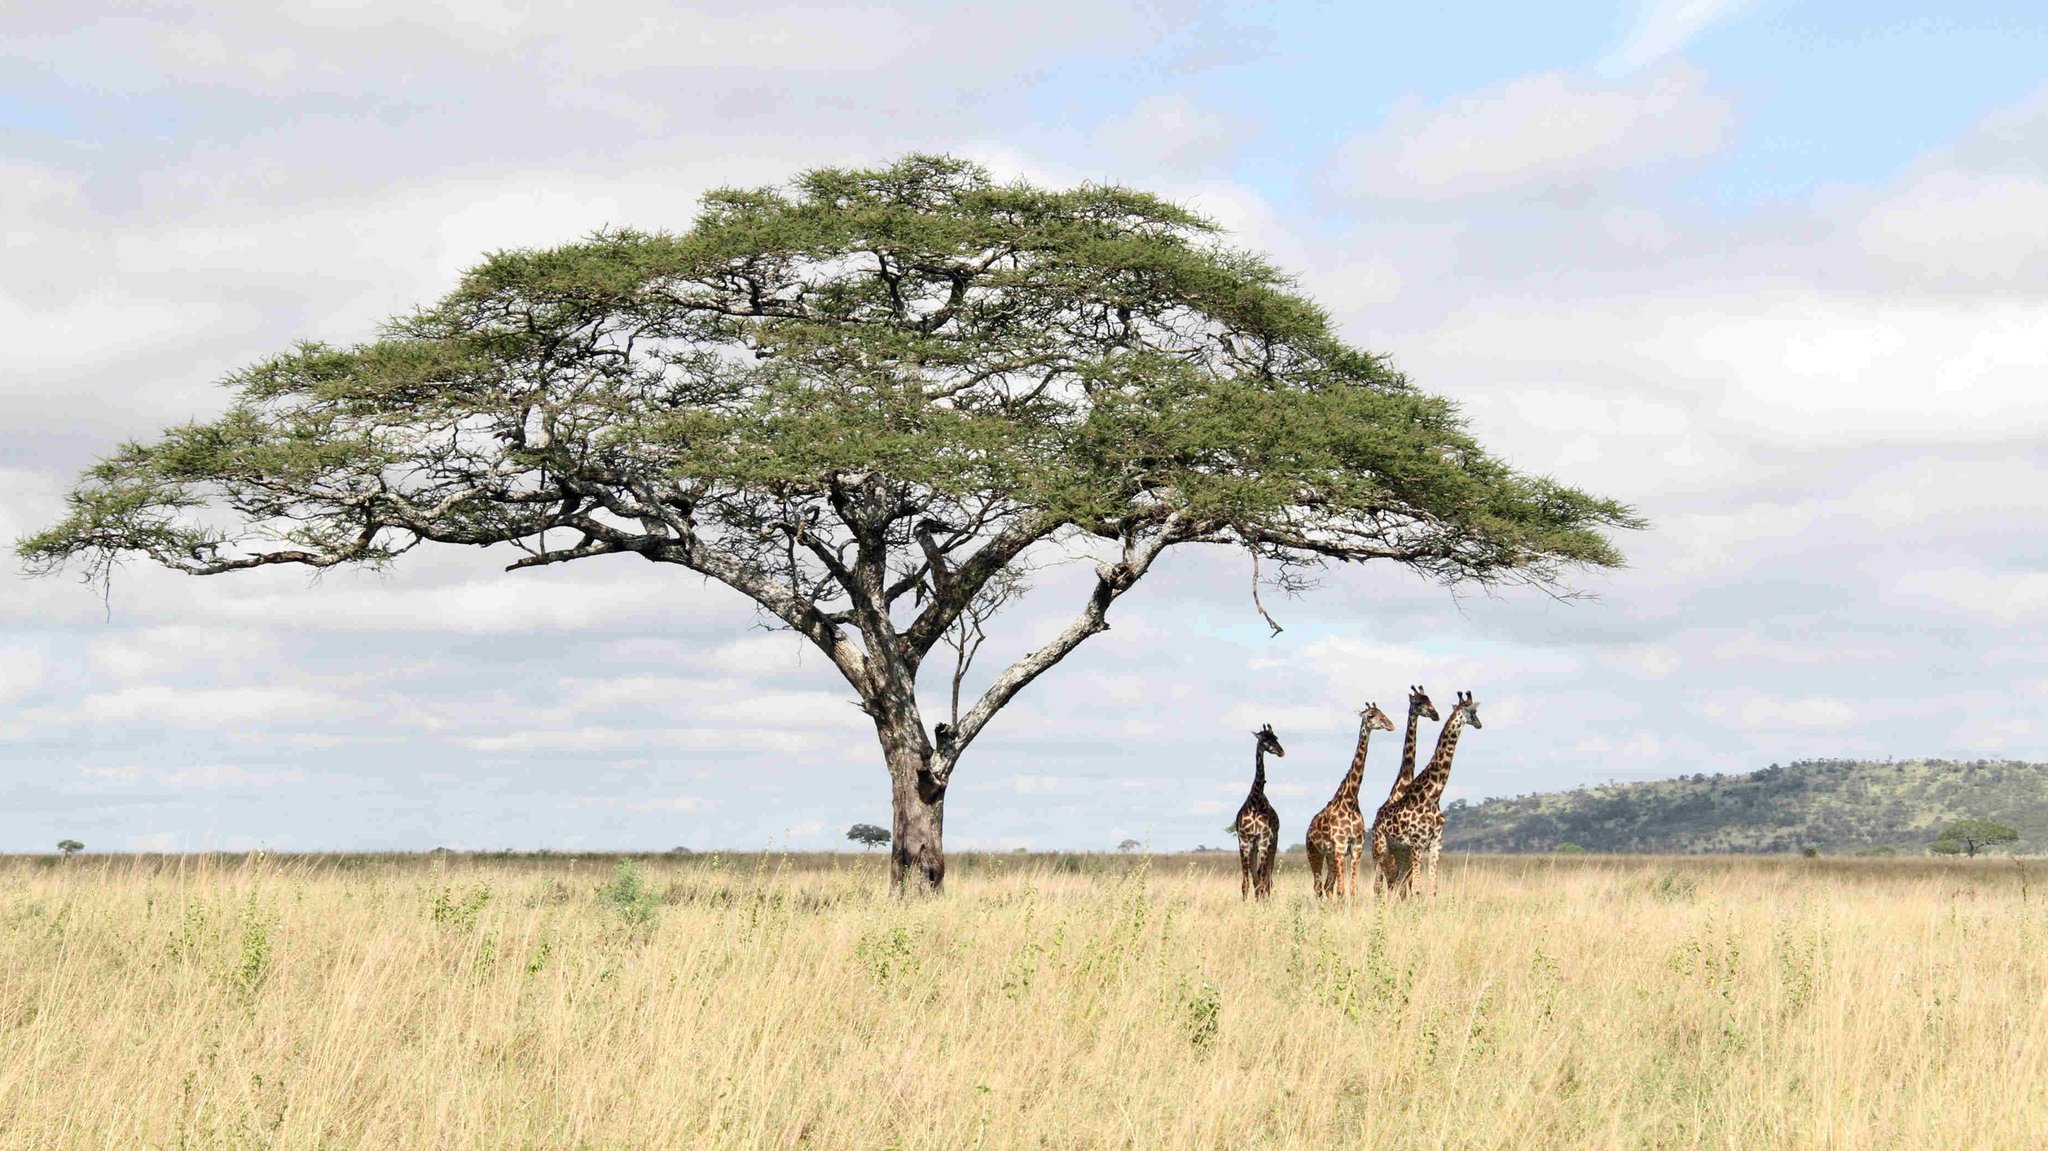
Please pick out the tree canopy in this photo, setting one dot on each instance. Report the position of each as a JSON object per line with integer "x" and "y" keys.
{"x": 1968, "y": 836}
{"x": 868, "y": 835}
{"x": 863, "y": 401}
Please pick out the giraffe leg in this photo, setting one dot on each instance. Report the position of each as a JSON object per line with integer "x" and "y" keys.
{"x": 1264, "y": 887}
{"x": 1244, "y": 866}
{"x": 1315, "y": 866}
{"x": 1351, "y": 884}
{"x": 1401, "y": 876}
{"x": 1434, "y": 850}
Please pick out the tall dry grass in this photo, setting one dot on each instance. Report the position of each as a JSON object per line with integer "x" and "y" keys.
{"x": 475, "y": 1003}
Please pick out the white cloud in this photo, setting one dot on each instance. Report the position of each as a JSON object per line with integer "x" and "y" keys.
{"x": 21, "y": 671}
{"x": 1792, "y": 363}
{"x": 1761, "y": 712}
{"x": 165, "y": 651}
{"x": 229, "y": 776}
{"x": 1651, "y": 661}
{"x": 1357, "y": 662}
{"x": 1541, "y": 134}
{"x": 1171, "y": 131}
{"x": 587, "y": 739}
{"x": 329, "y": 48}
{"x": 1664, "y": 27}
{"x": 1285, "y": 718}
{"x": 2005, "y": 597}
{"x": 1983, "y": 227}
{"x": 674, "y": 803}
{"x": 220, "y": 708}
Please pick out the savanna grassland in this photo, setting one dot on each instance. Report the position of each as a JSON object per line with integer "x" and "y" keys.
{"x": 1069, "y": 1002}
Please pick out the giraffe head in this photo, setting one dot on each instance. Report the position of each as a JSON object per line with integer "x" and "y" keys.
{"x": 1418, "y": 702}
{"x": 1373, "y": 717}
{"x": 1268, "y": 742}
{"x": 1468, "y": 704}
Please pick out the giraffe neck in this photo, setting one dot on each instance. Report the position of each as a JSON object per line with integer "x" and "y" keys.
{"x": 1429, "y": 786}
{"x": 1406, "y": 776}
{"x": 1259, "y": 771}
{"x": 1347, "y": 791}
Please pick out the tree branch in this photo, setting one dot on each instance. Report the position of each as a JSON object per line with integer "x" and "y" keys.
{"x": 1111, "y": 581}
{"x": 970, "y": 577}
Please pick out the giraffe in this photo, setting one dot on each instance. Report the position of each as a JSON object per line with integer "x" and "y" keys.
{"x": 1386, "y": 866}
{"x": 1336, "y": 836}
{"x": 1257, "y": 824}
{"x": 1414, "y": 823}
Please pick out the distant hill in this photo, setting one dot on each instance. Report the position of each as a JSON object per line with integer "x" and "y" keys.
{"x": 1836, "y": 805}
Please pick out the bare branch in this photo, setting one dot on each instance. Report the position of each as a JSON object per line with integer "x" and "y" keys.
{"x": 1112, "y": 580}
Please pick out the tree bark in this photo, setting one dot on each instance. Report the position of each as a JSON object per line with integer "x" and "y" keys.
{"x": 917, "y": 832}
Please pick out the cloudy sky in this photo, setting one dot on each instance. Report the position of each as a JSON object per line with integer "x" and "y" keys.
{"x": 1775, "y": 272}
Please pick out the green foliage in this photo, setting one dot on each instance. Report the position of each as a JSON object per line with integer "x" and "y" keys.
{"x": 1837, "y": 807}
{"x": 1672, "y": 887}
{"x": 460, "y": 914}
{"x": 890, "y": 954}
{"x": 868, "y": 835}
{"x": 1968, "y": 836}
{"x": 255, "y": 960}
{"x": 70, "y": 846}
{"x": 1201, "y": 1014}
{"x": 627, "y": 894}
{"x": 1003, "y": 361}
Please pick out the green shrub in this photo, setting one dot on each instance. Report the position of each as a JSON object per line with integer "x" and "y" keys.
{"x": 627, "y": 893}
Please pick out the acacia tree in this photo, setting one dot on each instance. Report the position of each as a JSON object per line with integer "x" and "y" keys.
{"x": 1968, "y": 836}
{"x": 869, "y": 402}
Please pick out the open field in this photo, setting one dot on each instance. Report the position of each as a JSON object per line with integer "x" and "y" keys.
{"x": 700, "y": 1001}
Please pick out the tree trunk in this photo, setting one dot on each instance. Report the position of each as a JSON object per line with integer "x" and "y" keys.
{"x": 917, "y": 834}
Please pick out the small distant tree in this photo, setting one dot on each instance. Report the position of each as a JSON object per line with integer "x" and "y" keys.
{"x": 1129, "y": 845}
{"x": 1966, "y": 836}
{"x": 868, "y": 835}
{"x": 70, "y": 846}
{"x": 1570, "y": 849}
